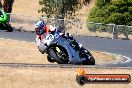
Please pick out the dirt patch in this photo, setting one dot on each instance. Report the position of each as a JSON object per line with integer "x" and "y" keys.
{"x": 103, "y": 57}
{"x": 26, "y": 7}
{"x": 20, "y": 52}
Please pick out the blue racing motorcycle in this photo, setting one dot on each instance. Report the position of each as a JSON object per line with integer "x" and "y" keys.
{"x": 63, "y": 49}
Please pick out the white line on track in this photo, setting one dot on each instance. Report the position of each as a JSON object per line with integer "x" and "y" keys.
{"x": 126, "y": 61}
{"x": 120, "y": 58}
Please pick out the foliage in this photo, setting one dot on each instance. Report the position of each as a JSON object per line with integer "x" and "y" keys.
{"x": 112, "y": 11}
{"x": 61, "y": 8}
{"x": 7, "y": 5}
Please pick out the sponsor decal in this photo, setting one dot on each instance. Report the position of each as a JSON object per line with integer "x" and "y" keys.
{"x": 83, "y": 78}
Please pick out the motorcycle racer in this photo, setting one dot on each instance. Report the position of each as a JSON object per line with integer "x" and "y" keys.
{"x": 59, "y": 46}
{"x": 41, "y": 30}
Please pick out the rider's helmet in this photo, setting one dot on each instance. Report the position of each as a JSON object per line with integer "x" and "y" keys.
{"x": 40, "y": 24}
{"x": 40, "y": 27}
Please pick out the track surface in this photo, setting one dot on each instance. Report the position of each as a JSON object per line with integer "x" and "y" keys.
{"x": 17, "y": 65}
{"x": 122, "y": 47}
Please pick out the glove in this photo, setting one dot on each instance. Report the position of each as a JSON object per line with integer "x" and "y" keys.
{"x": 61, "y": 34}
{"x": 40, "y": 31}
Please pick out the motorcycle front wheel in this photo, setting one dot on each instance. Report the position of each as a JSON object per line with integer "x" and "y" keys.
{"x": 59, "y": 54}
{"x": 50, "y": 59}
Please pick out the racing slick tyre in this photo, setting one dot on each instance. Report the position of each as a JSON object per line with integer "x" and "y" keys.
{"x": 50, "y": 59}
{"x": 59, "y": 54}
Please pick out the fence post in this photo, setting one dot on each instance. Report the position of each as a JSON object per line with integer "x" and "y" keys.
{"x": 113, "y": 32}
{"x": 114, "y": 35}
{"x": 10, "y": 18}
{"x": 128, "y": 31}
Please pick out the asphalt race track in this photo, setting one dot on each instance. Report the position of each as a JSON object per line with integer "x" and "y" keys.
{"x": 116, "y": 46}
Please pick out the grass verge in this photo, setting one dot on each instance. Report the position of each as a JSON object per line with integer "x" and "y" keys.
{"x": 12, "y": 51}
{"x": 54, "y": 77}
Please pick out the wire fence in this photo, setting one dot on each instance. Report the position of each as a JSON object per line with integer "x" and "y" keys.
{"x": 74, "y": 26}
{"x": 27, "y": 22}
{"x": 116, "y": 30}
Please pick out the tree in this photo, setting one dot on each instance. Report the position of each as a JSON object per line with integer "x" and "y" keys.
{"x": 112, "y": 11}
{"x": 7, "y": 5}
{"x": 61, "y": 8}
{"x": 0, "y": 4}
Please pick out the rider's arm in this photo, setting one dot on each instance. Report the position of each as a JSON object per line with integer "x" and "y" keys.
{"x": 38, "y": 40}
{"x": 47, "y": 29}
{"x": 38, "y": 37}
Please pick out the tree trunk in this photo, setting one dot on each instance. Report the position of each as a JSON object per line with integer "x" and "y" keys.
{"x": 0, "y": 4}
{"x": 7, "y": 5}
